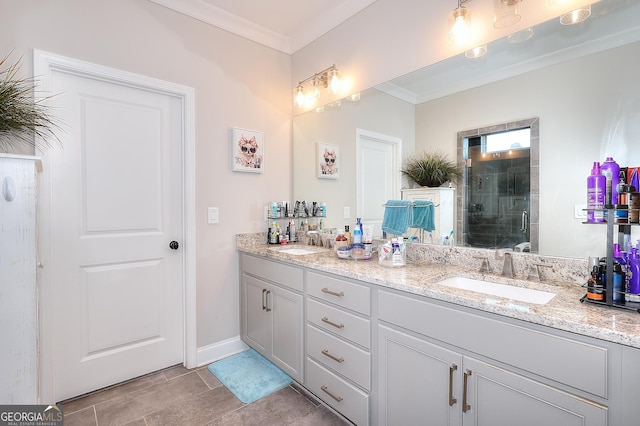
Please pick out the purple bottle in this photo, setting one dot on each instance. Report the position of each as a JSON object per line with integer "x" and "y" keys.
{"x": 634, "y": 267}
{"x": 611, "y": 172}
{"x": 596, "y": 189}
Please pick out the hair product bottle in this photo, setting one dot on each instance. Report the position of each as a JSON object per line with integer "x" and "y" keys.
{"x": 611, "y": 172}
{"x": 596, "y": 189}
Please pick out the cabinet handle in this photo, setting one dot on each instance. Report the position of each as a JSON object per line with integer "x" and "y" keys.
{"x": 325, "y": 352}
{"x": 267, "y": 300}
{"x": 333, "y": 293}
{"x": 325, "y": 319}
{"x": 465, "y": 406}
{"x": 452, "y": 399}
{"x": 264, "y": 291}
{"x": 325, "y": 389}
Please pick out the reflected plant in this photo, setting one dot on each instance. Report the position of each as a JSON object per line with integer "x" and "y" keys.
{"x": 431, "y": 169}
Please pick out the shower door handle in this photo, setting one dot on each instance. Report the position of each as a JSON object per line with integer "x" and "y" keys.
{"x": 525, "y": 221}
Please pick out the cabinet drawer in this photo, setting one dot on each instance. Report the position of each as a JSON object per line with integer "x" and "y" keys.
{"x": 344, "y": 324}
{"x": 342, "y": 293}
{"x": 278, "y": 273}
{"x": 567, "y": 361}
{"x": 345, "y": 398}
{"x": 335, "y": 353}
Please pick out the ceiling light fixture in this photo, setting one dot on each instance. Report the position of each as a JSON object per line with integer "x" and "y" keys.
{"x": 506, "y": 13}
{"x": 576, "y": 16}
{"x": 459, "y": 24}
{"x": 328, "y": 78}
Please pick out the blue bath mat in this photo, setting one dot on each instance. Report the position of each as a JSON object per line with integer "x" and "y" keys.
{"x": 249, "y": 375}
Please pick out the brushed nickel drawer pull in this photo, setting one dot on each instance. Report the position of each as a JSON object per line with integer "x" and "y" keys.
{"x": 267, "y": 299}
{"x": 326, "y": 390}
{"x": 333, "y": 293}
{"x": 326, "y": 319}
{"x": 264, "y": 291}
{"x": 465, "y": 406}
{"x": 325, "y": 352}
{"x": 452, "y": 399}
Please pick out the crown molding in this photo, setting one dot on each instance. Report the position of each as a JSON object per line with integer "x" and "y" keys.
{"x": 308, "y": 31}
{"x": 331, "y": 18}
{"x": 205, "y": 12}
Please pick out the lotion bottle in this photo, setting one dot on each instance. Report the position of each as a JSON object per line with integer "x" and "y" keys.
{"x": 611, "y": 172}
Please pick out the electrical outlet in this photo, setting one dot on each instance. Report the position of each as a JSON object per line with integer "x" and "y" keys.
{"x": 213, "y": 215}
{"x": 347, "y": 213}
{"x": 580, "y": 212}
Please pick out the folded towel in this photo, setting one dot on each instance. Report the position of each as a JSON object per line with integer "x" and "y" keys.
{"x": 423, "y": 214}
{"x": 398, "y": 215}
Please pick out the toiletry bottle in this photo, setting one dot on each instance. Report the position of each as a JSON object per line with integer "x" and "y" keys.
{"x": 622, "y": 267}
{"x": 323, "y": 209}
{"x": 595, "y": 289}
{"x": 292, "y": 231}
{"x": 611, "y": 172}
{"x": 347, "y": 234}
{"x": 634, "y": 280}
{"x": 357, "y": 234}
{"x": 596, "y": 187}
{"x": 396, "y": 254}
{"x": 341, "y": 241}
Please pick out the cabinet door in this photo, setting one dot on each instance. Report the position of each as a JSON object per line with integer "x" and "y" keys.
{"x": 499, "y": 397}
{"x": 286, "y": 311}
{"x": 257, "y": 320}
{"x": 419, "y": 382}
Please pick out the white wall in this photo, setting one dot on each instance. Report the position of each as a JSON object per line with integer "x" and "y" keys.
{"x": 588, "y": 110}
{"x": 238, "y": 83}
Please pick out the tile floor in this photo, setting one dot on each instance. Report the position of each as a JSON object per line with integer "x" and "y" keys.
{"x": 177, "y": 396}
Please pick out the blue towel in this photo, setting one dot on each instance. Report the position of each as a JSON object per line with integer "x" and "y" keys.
{"x": 423, "y": 213}
{"x": 398, "y": 215}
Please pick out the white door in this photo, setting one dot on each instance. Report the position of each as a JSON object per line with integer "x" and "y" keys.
{"x": 378, "y": 175}
{"x": 116, "y": 204}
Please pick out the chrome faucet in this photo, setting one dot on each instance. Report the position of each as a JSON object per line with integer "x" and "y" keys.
{"x": 486, "y": 266}
{"x": 534, "y": 271}
{"x": 507, "y": 266}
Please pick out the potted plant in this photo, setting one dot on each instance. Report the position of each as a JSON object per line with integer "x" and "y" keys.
{"x": 431, "y": 169}
{"x": 23, "y": 119}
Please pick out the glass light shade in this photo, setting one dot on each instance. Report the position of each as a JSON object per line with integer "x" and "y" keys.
{"x": 506, "y": 13}
{"x": 520, "y": 36}
{"x": 300, "y": 101}
{"x": 316, "y": 87}
{"x": 459, "y": 32}
{"x": 576, "y": 16}
{"x": 333, "y": 81}
{"x": 476, "y": 52}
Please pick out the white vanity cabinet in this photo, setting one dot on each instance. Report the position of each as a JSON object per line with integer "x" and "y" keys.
{"x": 272, "y": 312}
{"x": 444, "y": 199}
{"x": 439, "y": 365}
{"x": 338, "y": 342}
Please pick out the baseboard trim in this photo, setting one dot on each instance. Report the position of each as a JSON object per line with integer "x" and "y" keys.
{"x": 214, "y": 352}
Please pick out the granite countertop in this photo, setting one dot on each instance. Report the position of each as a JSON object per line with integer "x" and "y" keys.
{"x": 563, "y": 312}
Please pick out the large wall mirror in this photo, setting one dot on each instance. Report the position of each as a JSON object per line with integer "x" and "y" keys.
{"x": 579, "y": 81}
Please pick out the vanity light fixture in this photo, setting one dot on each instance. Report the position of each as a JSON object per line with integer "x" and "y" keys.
{"x": 328, "y": 78}
{"x": 506, "y": 13}
{"x": 476, "y": 52}
{"x": 576, "y": 16}
{"x": 460, "y": 22}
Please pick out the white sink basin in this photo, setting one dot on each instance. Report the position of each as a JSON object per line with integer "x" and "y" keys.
{"x": 298, "y": 251}
{"x": 536, "y": 297}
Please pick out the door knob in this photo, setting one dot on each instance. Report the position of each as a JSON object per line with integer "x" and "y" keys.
{"x": 173, "y": 245}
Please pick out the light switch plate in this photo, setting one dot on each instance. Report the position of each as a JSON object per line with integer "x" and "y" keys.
{"x": 347, "y": 213}
{"x": 579, "y": 212}
{"x": 213, "y": 215}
